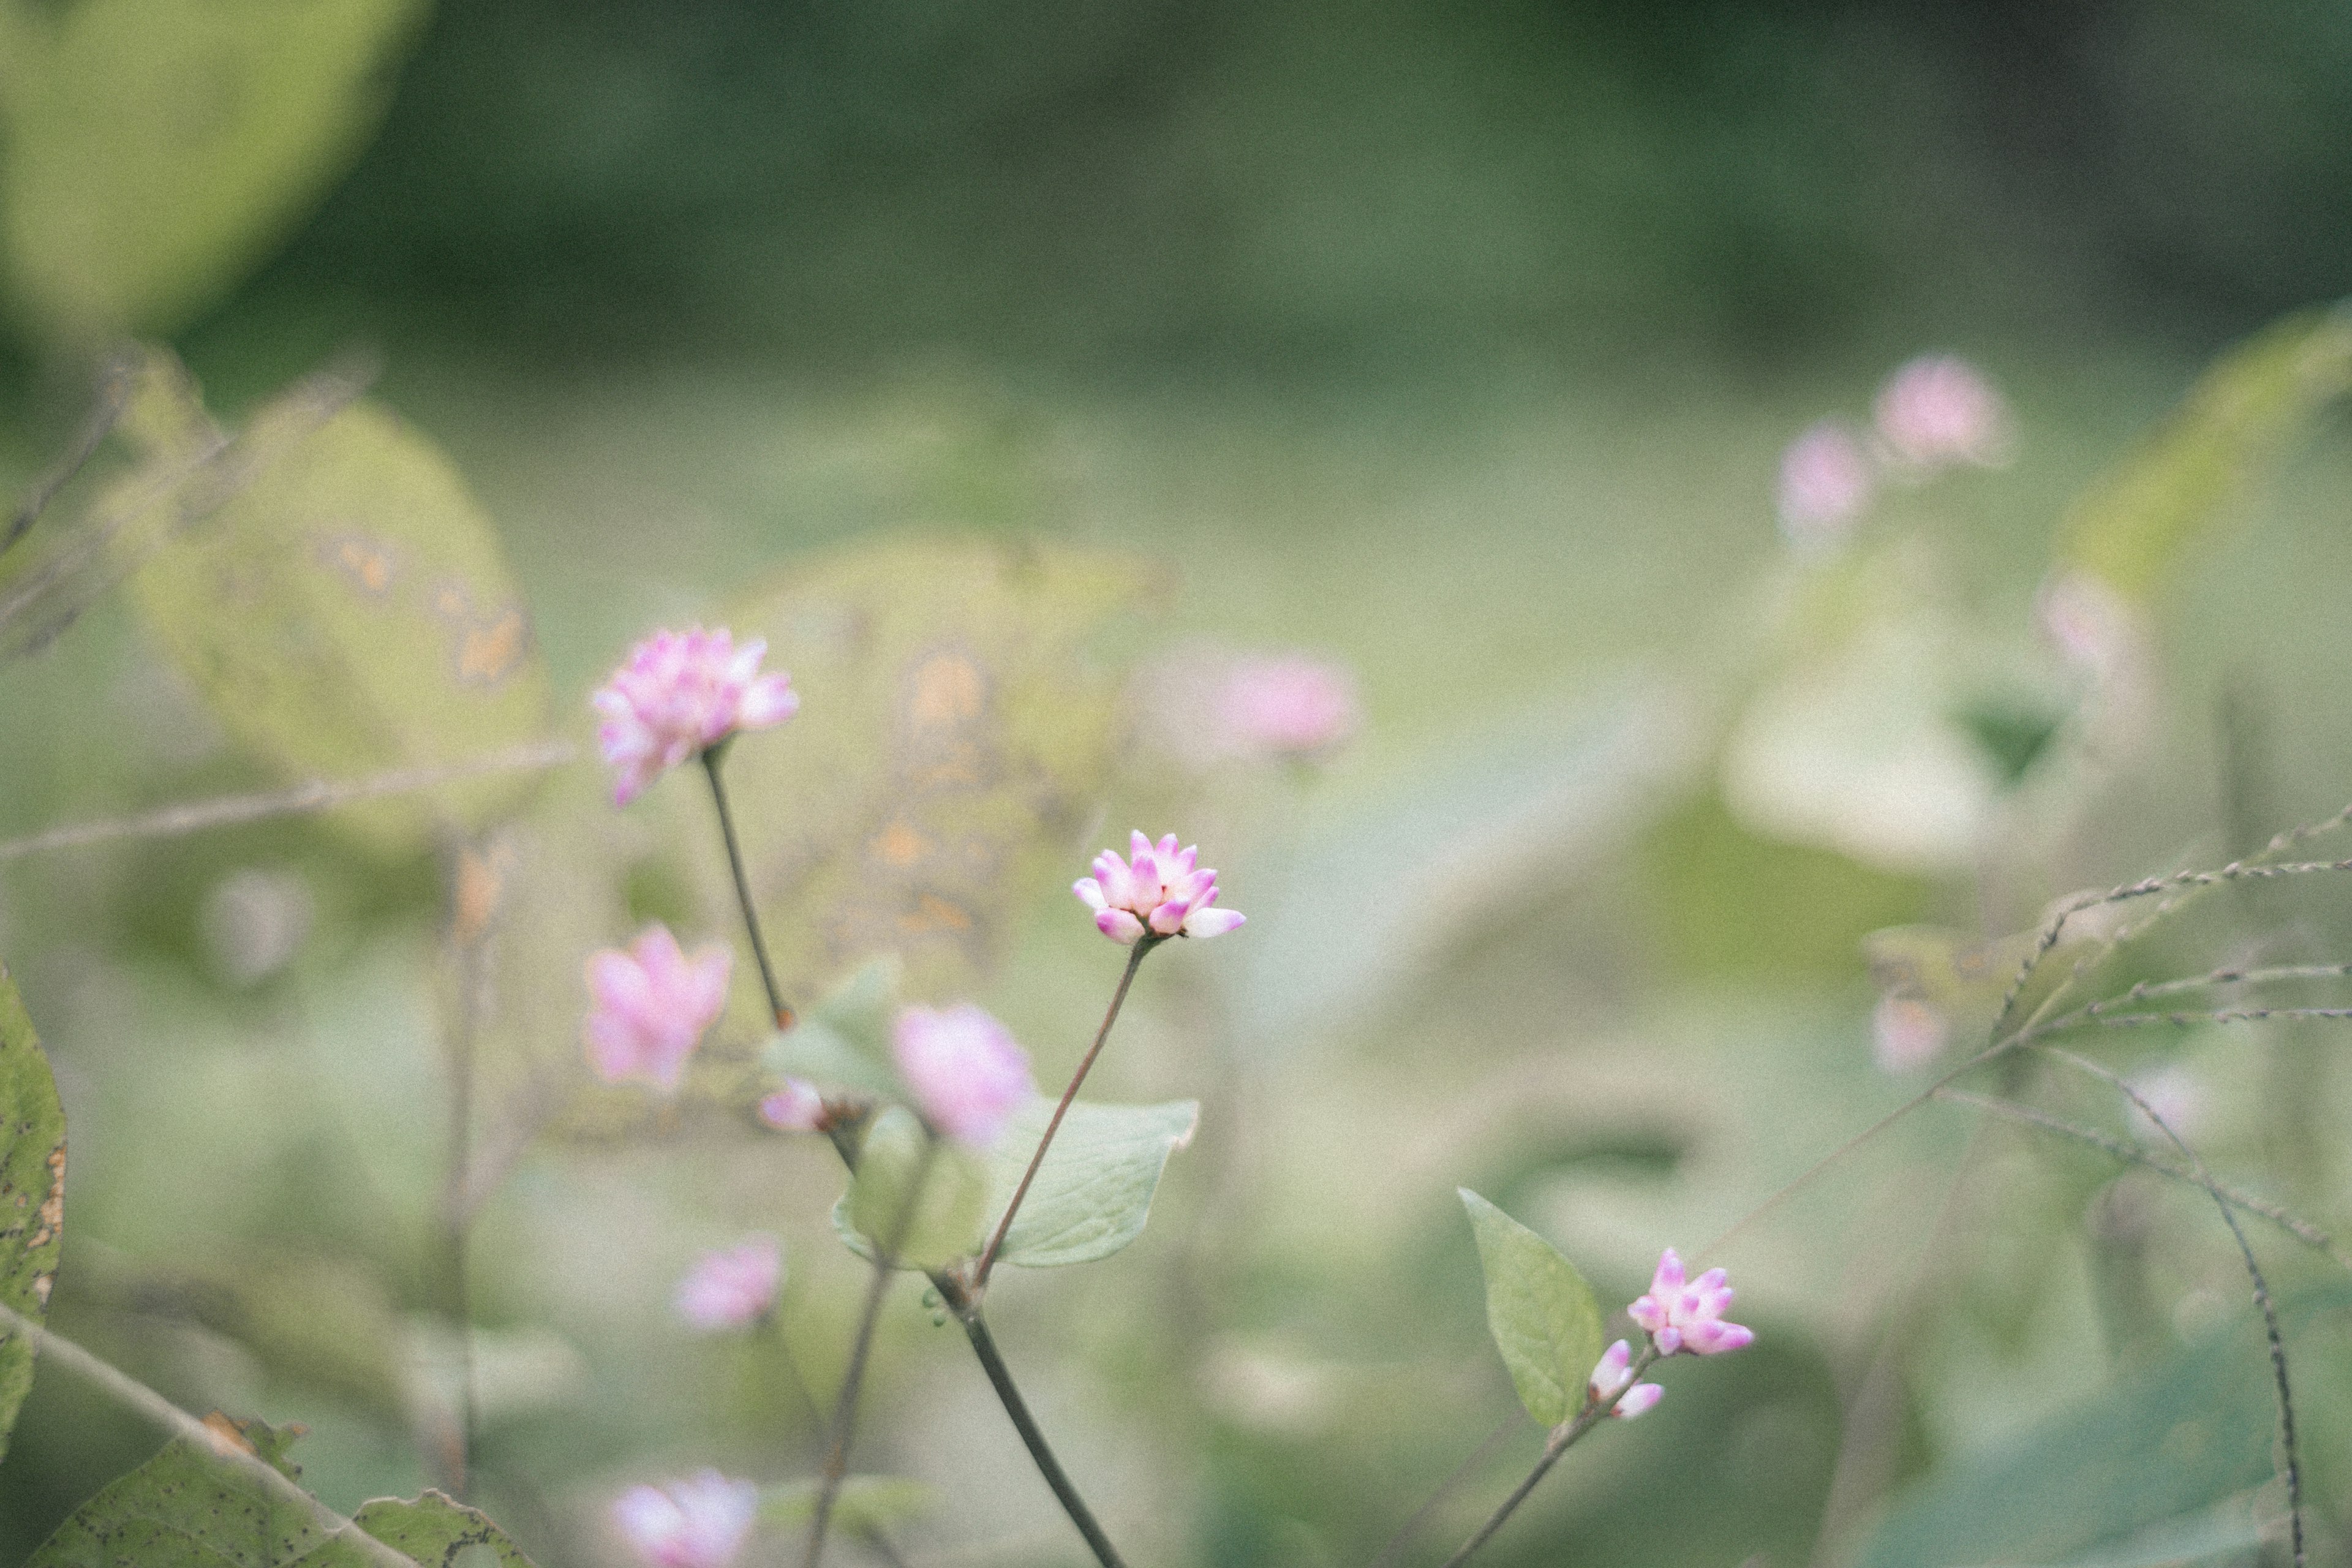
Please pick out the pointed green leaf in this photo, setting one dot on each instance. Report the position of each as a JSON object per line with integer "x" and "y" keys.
{"x": 32, "y": 1192}
{"x": 1094, "y": 1191}
{"x": 1540, "y": 1311}
{"x": 194, "y": 1502}
{"x": 947, "y": 1215}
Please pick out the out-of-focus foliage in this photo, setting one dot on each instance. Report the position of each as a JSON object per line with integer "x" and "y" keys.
{"x": 31, "y": 1195}
{"x": 154, "y": 151}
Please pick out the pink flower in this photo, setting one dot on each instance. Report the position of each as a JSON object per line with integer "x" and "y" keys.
{"x": 1683, "y": 1316}
{"x": 649, "y": 1006}
{"x": 1613, "y": 1371}
{"x": 1906, "y": 1033}
{"x": 1936, "y": 410}
{"x": 1289, "y": 707}
{"x": 1161, "y": 892}
{"x": 681, "y": 694}
{"x": 1825, "y": 483}
{"x": 695, "y": 1523}
{"x": 795, "y": 1108}
{"x": 728, "y": 1290}
{"x": 966, "y": 1074}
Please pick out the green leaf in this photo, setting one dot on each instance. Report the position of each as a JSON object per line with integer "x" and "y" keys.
{"x": 32, "y": 1192}
{"x": 194, "y": 1503}
{"x": 2151, "y": 1452}
{"x": 863, "y": 1502}
{"x": 845, "y": 1040}
{"x": 350, "y": 611}
{"x": 1094, "y": 1191}
{"x": 1540, "y": 1311}
{"x": 947, "y": 1215}
{"x": 156, "y": 151}
{"x": 2133, "y": 527}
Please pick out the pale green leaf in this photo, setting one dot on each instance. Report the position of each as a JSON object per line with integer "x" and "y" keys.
{"x": 32, "y": 1192}
{"x": 350, "y": 610}
{"x": 155, "y": 150}
{"x": 1540, "y": 1311}
{"x": 1094, "y": 1191}
{"x": 931, "y": 1192}
{"x": 845, "y": 1040}
{"x": 2133, "y": 527}
{"x": 439, "y": 1532}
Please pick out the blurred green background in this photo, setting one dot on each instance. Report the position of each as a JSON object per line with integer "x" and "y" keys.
{"x": 1458, "y": 344}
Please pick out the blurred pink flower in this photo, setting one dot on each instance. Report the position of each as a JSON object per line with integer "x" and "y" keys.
{"x": 1291, "y": 706}
{"x": 1906, "y": 1033}
{"x": 699, "y": 1523}
{"x": 730, "y": 1289}
{"x": 965, "y": 1071}
{"x": 1825, "y": 483}
{"x": 649, "y": 1007}
{"x": 1161, "y": 892}
{"x": 1688, "y": 1317}
{"x": 1614, "y": 1371}
{"x": 795, "y": 1108}
{"x": 681, "y": 693}
{"x": 1938, "y": 410}
{"x": 2094, "y": 628}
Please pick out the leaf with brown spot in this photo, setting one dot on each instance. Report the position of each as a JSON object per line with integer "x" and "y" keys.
{"x": 32, "y": 1192}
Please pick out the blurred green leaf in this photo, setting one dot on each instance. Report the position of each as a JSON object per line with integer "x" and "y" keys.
{"x": 845, "y": 1040}
{"x": 32, "y": 1192}
{"x": 326, "y": 1322}
{"x": 947, "y": 1215}
{"x": 351, "y": 610}
{"x": 1540, "y": 1311}
{"x": 2164, "y": 1446}
{"x": 1093, "y": 1194}
{"x": 194, "y": 1503}
{"x": 863, "y": 1502}
{"x": 154, "y": 149}
{"x": 2132, "y": 528}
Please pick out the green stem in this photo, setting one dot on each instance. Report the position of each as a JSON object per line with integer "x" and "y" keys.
{"x": 1143, "y": 944}
{"x": 776, "y": 1007}
{"x": 1564, "y": 1438}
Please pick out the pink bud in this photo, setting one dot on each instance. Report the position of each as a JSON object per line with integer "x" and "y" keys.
{"x": 681, "y": 694}
{"x": 728, "y": 1290}
{"x": 1687, "y": 1316}
{"x": 795, "y": 1108}
{"x": 1906, "y": 1032}
{"x": 699, "y": 1523}
{"x": 649, "y": 1007}
{"x": 1825, "y": 484}
{"x": 1289, "y": 707}
{"x": 965, "y": 1071}
{"x": 1161, "y": 892}
{"x": 1938, "y": 410}
{"x": 1613, "y": 1371}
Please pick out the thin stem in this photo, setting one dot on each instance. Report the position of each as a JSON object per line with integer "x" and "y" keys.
{"x": 1445, "y": 1488}
{"x": 1005, "y": 1223}
{"x": 844, "y": 1409}
{"x": 2226, "y": 976}
{"x": 1000, "y": 1376}
{"x": 474, "y": 899}
{"x": 782, "y": 1014}
{"x": 1564, "y": 1438}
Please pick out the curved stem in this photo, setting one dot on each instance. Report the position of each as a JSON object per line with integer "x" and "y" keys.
{"x": 1563, "y": 1438}
{"x": 1117, "y": 998}
{"x": 1461, "y": 1472}
{"x": 782, "y": 1014}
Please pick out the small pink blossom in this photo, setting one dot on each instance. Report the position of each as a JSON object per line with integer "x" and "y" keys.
{"x": 1825, "y": 483}
{"x": 681, "y": 694}
{"x": 1291, "y": 706}
{"x": 699, "y": 1523}
{"x": 965, "y": 1071}
{"x": 1938, "y": 410}
{"x": 732, "y": 1288}
{"x": 1688, "y": 1317}
{"x": 1906, "y": 1033}
{"x": 1161, "y": 892}
{"x": 649, "y": 1007}
{"x": 795, "y": 1108}
{"x": 1613, "y": 1371}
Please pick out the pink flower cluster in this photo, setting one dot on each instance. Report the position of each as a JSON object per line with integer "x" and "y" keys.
{"x": 1613, "y": 1371}
{"x": 681, "y": 694}
{"x": 1289, "y": 707}
{"x": 649, "y": 1006}
{"x": 1825, "y": 484}
{"x": 1683, "y": 1316}
{"x": 733, "y": 1288}
{"x": 699, "y": 1523}
{"x": 963, "y": 1068}
{"x": 1161, "y": 892}
{"x": 1934, "y": 411}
